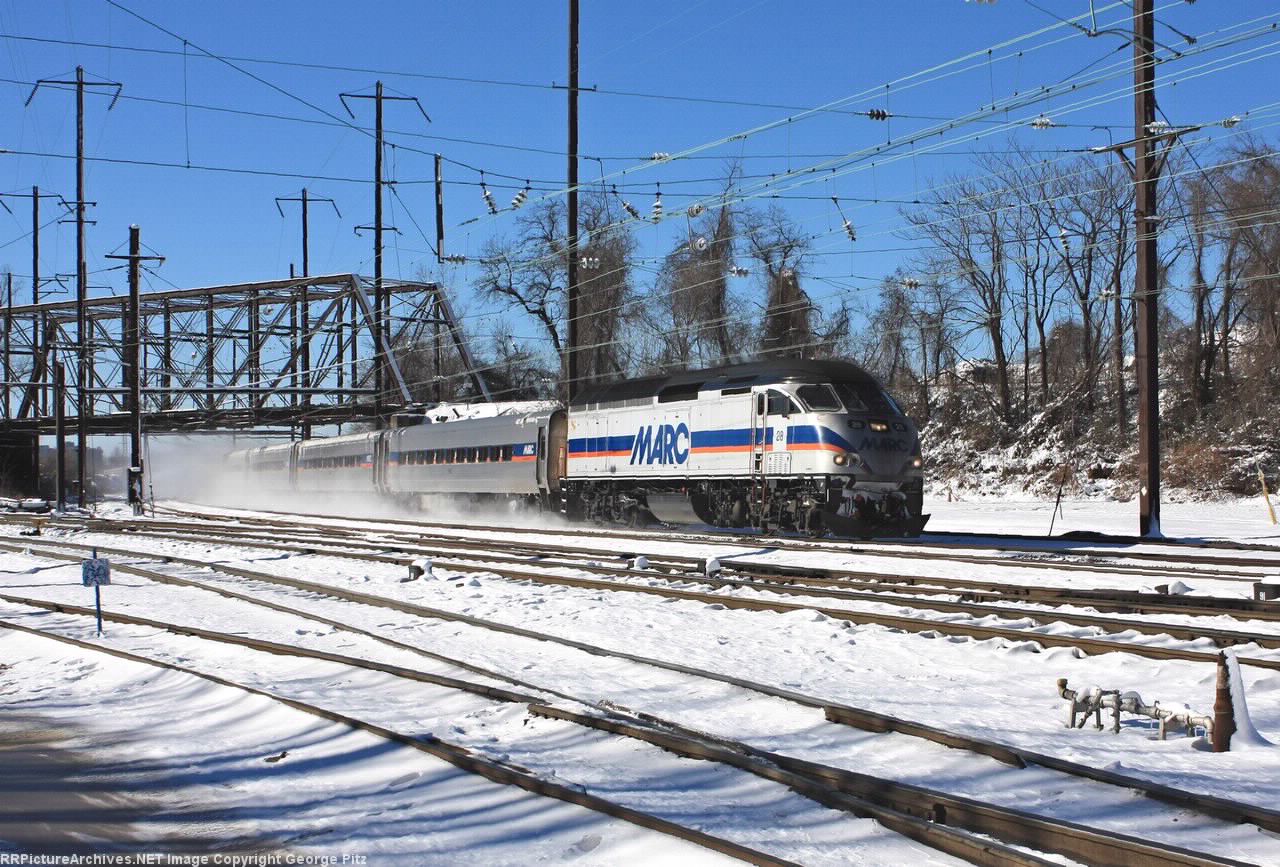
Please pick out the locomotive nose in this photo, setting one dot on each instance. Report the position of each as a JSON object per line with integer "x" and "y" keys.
{"x": 884, "y": 444}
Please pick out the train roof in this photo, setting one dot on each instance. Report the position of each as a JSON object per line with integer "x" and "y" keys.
{"x": 731, "y": 375}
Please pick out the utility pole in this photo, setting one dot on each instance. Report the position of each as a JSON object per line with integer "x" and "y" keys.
{"x": 1147, "y": 173}
{"x": 1151, "y": 144}
{"x": 381, "y": 305}
{"x": 82, "y": 271}
{"x": 571, "y": 337}
{"x": 133, "y": 367}
{"x": 305, "y": 199}
{"x": 435, "y": 304}
{"x": 60, "y": 432}
{"x": 8, "y": 327}
{"x": 35, "y": 195}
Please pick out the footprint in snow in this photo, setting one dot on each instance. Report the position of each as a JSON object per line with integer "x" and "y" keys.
{"x": 588, "y": 843}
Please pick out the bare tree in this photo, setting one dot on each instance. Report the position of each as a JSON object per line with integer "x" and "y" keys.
{"x": 527, "y": 272}
{"x": 969, "y": 228}
{"x": 1037, "y": 259}
{"x": 781, "y": 250}
{"x": 530, "y": 273}
{"x": 605, "y": 291}
{"x": 693, "y": 291}
{"x": 1234, "y": 249}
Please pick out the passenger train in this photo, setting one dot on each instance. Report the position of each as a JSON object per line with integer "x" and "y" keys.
{"x": 812, "y": 446}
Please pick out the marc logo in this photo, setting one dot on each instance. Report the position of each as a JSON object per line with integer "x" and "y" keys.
{"x": 877, "y": 444}
{"x": 661, "y": 444}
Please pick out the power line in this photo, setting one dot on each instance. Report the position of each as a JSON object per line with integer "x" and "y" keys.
{"x": 459, "y": 79}
{"x": 839, "y": 167}
{"x": 192, "y": 167}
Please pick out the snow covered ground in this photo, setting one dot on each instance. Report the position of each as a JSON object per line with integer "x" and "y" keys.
{"x": 185, "y": 761}
{"x": 1245, "y": 520}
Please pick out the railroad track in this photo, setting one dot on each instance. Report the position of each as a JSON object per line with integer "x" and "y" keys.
{"x": 862, "y": 718}
{"x": 818, "y": 594}
{"x": 967, "y": 589}
{"x": 1107, "y": 599}
{"x": 943, "y": 821}
{"x": 468, "y": 760}
{"x": 856, "y": 585}
{"x": 910, "y": 548}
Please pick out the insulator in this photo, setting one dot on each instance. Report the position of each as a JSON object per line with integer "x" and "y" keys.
{"x": 630, "y": 209}
{"x": 848, "y": 230}
{"x": 878, "y": 114}
{"x": 519, "y": 198}
{"x": 739, "y": 271}
{"x": 695, "y": 210}
{"x": 659, "y": 156}
{"x": 488, "y": 200}
{"x": 1157, "y": 127}
{"x": 1234, "y": 120}
{"x": 657, "y": 207}
{"x": 701, "y": 245}
{"x": 456, "y": 260}
{"x": 1041, "y": 122}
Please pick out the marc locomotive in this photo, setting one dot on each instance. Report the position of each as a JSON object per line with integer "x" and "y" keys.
{"x": 813, "y": 446}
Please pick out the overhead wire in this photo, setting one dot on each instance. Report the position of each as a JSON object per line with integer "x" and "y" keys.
{"x": 402, "y": 202}
{"x": 1020, "y": 100}
{"x": 810, "y": 174}
{"x": 691, "y": 287}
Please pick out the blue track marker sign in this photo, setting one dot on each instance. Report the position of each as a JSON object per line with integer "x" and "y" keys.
{"x": 95, "y": 572}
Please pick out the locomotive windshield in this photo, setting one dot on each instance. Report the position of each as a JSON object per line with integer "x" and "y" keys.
{"x": 866, "y": 397}
{"x": 819, "y": 398}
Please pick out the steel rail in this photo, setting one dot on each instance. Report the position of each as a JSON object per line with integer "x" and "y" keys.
{"x": 491, "y": 769}
{"x": 925, "y": 815}
{"x": 796, "y": 542}
{"x": 869, "y": 792}
{"x": 1220, "y": 637}
{"x": 862, "y": 718}
{"x": 1123, "y": 601}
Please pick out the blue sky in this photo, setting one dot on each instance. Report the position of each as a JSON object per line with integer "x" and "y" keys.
{"x": 221, "y": 227}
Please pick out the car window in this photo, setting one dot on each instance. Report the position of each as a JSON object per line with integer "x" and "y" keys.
{"x": 866, "y": 397}
{"x": 780, "y": 404}
{"x": 819, "y": 398}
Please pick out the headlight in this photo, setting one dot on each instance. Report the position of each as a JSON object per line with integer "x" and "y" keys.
{"x": 879, "y": 426}
{"x": 917, "y": 462}
{"x": 842, "y": 459}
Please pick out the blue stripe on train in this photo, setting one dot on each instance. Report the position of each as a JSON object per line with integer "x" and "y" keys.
{"x": 701, "y": 439}
{"x": 592, "y": 445}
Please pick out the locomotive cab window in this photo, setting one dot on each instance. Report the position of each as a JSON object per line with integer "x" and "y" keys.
{"x": 852, "y": 396}
{"x": 780, "y": 404}
{"x": 819, "y": 398}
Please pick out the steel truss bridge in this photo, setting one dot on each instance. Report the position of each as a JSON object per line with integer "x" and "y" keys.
{"x": 293, "y": 353}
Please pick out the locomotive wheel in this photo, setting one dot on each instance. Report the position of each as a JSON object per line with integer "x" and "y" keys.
{"x": 814, "y": 524}
{"x": 701, "y": 505}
